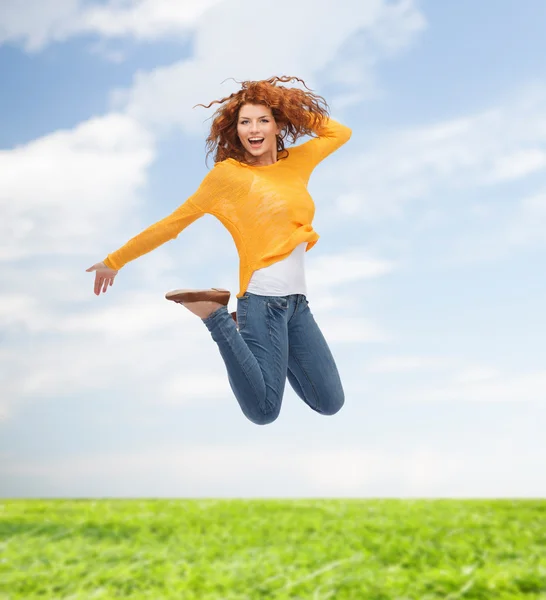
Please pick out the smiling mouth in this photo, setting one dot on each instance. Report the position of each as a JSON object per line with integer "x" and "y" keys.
{"x": 256, "y": 143}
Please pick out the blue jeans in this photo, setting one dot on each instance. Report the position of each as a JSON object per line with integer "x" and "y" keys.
{"x": 277, "y": 337}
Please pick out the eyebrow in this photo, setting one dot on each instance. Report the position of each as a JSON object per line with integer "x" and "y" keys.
{"x": 258, "y": 117}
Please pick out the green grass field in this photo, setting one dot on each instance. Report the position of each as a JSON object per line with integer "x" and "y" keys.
{"x": 255, "y": 549}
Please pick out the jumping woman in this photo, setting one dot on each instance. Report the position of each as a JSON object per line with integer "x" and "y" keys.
{"x": 258, "y": 191}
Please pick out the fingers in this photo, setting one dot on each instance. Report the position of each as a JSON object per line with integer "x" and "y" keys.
{"x": 103, "y": 278}
{"x": 102, "y": 284}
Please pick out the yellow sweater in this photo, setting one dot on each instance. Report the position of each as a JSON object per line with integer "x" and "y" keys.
{"x": 267, "y": 210}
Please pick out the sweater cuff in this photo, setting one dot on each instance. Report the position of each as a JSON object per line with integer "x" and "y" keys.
{"x": 110, "y": 264}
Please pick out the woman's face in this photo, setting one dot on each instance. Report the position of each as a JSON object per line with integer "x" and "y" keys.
{"x": 256, "y": 122}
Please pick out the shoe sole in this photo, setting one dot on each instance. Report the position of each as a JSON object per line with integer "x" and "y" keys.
{"x": 211, "y": 295}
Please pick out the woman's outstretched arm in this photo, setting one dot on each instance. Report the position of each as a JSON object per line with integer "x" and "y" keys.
{"x": 157, "y": 234}
{"x": 154, "y": 236}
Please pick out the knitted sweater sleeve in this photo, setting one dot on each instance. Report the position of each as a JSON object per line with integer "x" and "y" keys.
{"x": 170, "y": 227}
{"x": 331, "y": 136}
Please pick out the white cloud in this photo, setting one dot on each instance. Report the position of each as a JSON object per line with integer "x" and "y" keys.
{"x": 389, "y": 28}
{"x": 128, "y": 340}
{"x": 111, "y": 356}
{"x": 67, "y": 191}
{"x": 346, "y": 267}
{"x": 195, "y": 387}
{"x": 485, "y": 385}
{"x": 535, "y": 205}
{"x": 132, "y": 343}
{"x": 37, "y": 23}
{"x": 351, "y": 329}
{"x": 406, "y": 364}
{"x": 417, "y": 163}
{"x": 143, "y": 19}
{"x": 528, "y": 225}
{"x": 395, "y": 27}
{"x": 133, "y": 315}
{"x": 475, "y": 374}
{"x": 64, "y": 196}
{"x": 521, "y": 225}
{"x": 516, "y": 165}
{"x": 166, "y": 95}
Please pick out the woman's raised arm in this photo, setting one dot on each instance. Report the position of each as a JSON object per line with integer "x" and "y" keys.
{"x": 331, "y": 136}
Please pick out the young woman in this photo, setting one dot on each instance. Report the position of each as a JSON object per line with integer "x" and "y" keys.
{"x": 258, "y": 190}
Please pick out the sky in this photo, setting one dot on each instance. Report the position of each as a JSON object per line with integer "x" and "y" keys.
{"x": 427, "y": 281}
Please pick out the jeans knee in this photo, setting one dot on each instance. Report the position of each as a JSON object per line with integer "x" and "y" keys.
{"x": 263, "y": 417}
{"x": 333, "y": 406}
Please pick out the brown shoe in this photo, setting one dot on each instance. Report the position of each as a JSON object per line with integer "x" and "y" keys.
{"x": 212, "y": 295}
{"x": 234, "y": 317}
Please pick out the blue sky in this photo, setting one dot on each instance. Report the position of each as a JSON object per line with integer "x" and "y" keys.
{"x": 427, "y": 280}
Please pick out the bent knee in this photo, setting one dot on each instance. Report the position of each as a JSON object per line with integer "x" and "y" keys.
{"x": 263, "y": 418}
{"x": 333, "y": 406}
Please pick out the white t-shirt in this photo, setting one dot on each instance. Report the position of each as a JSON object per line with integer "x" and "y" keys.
{"x": 282, "y": 278}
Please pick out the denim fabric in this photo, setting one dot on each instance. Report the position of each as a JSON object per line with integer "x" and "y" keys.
{"x": 275, "y": 337}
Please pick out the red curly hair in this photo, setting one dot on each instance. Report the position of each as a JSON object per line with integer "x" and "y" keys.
{"x": 298, "y": 113}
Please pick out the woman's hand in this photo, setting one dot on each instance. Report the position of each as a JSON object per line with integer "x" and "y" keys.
{"x": 104, "y": 277}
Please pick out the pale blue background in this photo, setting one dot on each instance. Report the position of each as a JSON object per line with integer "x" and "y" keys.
{"x": 428, "y": 279}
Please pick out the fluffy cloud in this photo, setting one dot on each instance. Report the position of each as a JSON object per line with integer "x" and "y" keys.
{"x": 406, "y": 364}
{"x": 70, "y": 189}
{"x": 381, "y": 28}
{"x": 498, "y": 232}
{"x": 62, "y": 197}
{"x": 41, "y": 22}
{"x": 165, "y": 96}
{"x": 457, "y": 154}
{"x": 485, "y": 385}
{"x": 37, "y": 22}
